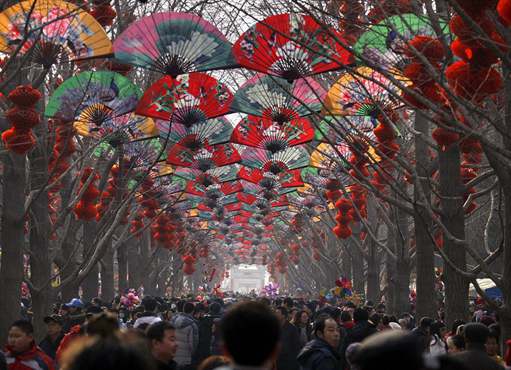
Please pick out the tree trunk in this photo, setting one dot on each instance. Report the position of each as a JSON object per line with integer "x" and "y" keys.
{"x": 70, "y": 290}
{"x": 40, "y": 264}
{"x": 453, "y": 217}
{"x": 425, "y": 259}
{"x": 357, "y": 263}
{"x": 373, "y": 273}
{"x": 403, "y": 265}
{"x": 122, "y": 268}
{"x": 13, "y": 239}
{"x": 134, "y": 271}
{"x": 390, "y": 276}
{"x": 90, "y": 284}
{"x": 346, "y": 263}
{"x": 107, "y": 275}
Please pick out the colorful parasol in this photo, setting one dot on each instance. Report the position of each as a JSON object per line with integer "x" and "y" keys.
{"x": 291, "y": 46}
{"x": 48, "y": 27}
{"x": 203, "y": 157}
{"x": 265, "y": 134}
{"x": 213, "y": 131}
{"x": 288, "y": 159}
{"x": 174, "y": 43}
{"x": 278, "y": 100}
{"x": 96, "y": 102}
{"x": 186, "y": 99}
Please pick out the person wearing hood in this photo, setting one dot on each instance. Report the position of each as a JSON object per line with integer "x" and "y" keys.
{"x": 320, "y": 353}
{"x": 187, "y": 335}
{"x": 21, "y": 352}
{"x": 148, "y": 317}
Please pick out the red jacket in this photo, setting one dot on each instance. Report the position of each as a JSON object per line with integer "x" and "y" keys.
{"x": 33, "y": 359}
{"x": 74, "y": 332}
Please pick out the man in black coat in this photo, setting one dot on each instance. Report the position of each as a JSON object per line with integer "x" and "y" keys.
{"x": 206, "y": 332}
{"x": 54, "y": 335}
{"x": 360, "y": 331}
{"x": 320, "y": 353}
{"x": 475, "y": 356}
{"x": 289, "y": 342}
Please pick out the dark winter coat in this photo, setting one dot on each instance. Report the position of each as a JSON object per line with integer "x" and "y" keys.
{"x": 360, "y": 331}
{"x": 290, "y": 347}
{"x": 205, "y": 337}
{"x": 422, "y": 337}
{"x": 50, "y": 347}
{"x": 319, "y": 355}
{"x": 475, "y": 358}
{"x": 187, "y": 337}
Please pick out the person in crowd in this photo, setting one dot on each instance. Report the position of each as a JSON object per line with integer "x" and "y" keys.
{"x": 493, "y": 347}
{"x": 302, "y": 323}
{"x": 423, "y": 332}
{"x": 346, "y": 320}
{"x": 288, "y": 303}
{"x": 22, "y": 352}
{"x": 437, "y": 345}
{"x": 321, "y": 353}
{"x": 475, "y": 356}
{"x": 361, "y": 330}
{"x": 206, "y": 332}
{"x": 162, "y": 342}
{"x": 384, "y": 323}
{"x": 455, "y": 344}
{"x": 251, "y": 334}
{"x": 119, "y": 352}
{"x": 214, "y": 362}
{"x": 187, "y": 335}
{"x": 289, "y": 342}
{"x": 72, "y": 313}
{"x": 149, "y": 316}
{"x": 3, "y": 362}
{"x": 54, "y": 335}
{"x": 454, "y": 329}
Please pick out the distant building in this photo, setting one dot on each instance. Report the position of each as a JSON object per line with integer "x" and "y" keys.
{"x": 245, "y": 278}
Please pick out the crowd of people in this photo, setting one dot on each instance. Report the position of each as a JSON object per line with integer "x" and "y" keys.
{"x": 250, "y": 333}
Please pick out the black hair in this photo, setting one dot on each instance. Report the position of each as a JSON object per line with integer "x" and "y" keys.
{"x": 103, "y": 324}
{"x": 265, "y": 301}
{"x": 24, "y": 325}
{"x": 425, "y": 322}
{"x": 298, "y": 316}
{"x": 375, "y": 318}
{"x": 157, "y": 330}
{"x": 458, "y": 341}
{"x": 282, "y": 310}
{"x": 188, "y": 307}
{"x": 435, "y": 327}
{"x": 278, "y": 302}
{"x": 149, "y": 303}
{"x": 385, "y": 320}
{"x": 346, "y": 316}
{"x": 113, "y": 354}
{"x": 360, "y": 314}
{"x": 247, "y": 326}
{"x": 320, "y": 323}
{"x": 214, "y": 308}
{"x": 476, "y": 333}
{"x": 457, "y": 323}
{"x": 288, "y": 302}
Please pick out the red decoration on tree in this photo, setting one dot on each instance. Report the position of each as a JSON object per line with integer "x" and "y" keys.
{"x": 85, "y": 209}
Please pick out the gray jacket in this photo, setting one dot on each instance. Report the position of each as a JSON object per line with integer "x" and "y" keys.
{"x": 187, "y": 338}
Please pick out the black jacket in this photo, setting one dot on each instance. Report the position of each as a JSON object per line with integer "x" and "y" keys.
{"x": 205, "y": 337}
{"x": 172, "y": 365}
{"x": 475, "y": 358}
{"x": 357, "y": 334}
{"x": 319, "y": 355}
{"x": 290, "y": 347}
{"x": 49, "y": 347}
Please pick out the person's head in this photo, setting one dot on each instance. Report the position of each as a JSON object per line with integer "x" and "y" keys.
{"x": 282, "y": 314}
{"x": 213, "y": 362}
{"x": 492, "y": 344}
{"x": 188, "y": 308}
{"x": 425, "y": 324}
{"x": 455, "y": 343}
{"x": 326, "y": 328}
{"x": 53, "y": 325}
{"x": 162, "y": 340}
{"x": 301, "y": 318}
{"x": 21, "y": 336}
{"x": 248, "y": 326}
{"x": 74, "y": 306}
{"x": 360, "y": 315}
{"x": 346, "y": 316}
{"x": 455, "y": 325}
{"x": 438, "y": 328}
{"x": 149, "y": 304}
{"x": 214, "y": 308}
{"x": 475, "y": 334}
{"x": 288, "y": 303}
{"x": 102, "y": 324}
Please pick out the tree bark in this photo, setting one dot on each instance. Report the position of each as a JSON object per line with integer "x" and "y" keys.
{"x": 425, "y": 259}
{"x": 373, "y": 273}
{"x": 403, "y": 263}
{"x": 134, "y": 272}
{"x": 122, "y": 267}
{"x": 40, "y": 264}
{"x": 90, "y": 284}
{"x": 453, "y": 217}
{"x": 357, "y": 263}
{"x": 107, "y": 275}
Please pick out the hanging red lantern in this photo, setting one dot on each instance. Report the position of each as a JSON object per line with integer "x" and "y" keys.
{"x": 24, "y": 96}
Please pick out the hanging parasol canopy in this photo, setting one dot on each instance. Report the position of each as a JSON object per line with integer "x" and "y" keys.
{"x": 96, "y": 103}
{"x": 217, "y": 174}
{"x": 278, "y": 100}
{"x": 384, "y": 43}
{"x": 286, "y": 179}
{"x": 186, "y": 100}
{"x": 174, "y": 43}
{"x": 363, "y": 92}
{"x": 204, "y": 157}
{"x": 49, "y": 27}
{"x": 265, "y": 134}
{"x": 291, "y": 46}
{"x": 288, "y": 159}
{"x": 213, "y": 131}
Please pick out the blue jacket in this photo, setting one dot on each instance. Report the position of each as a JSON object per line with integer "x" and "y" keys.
{"x": 319, "y": 355}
